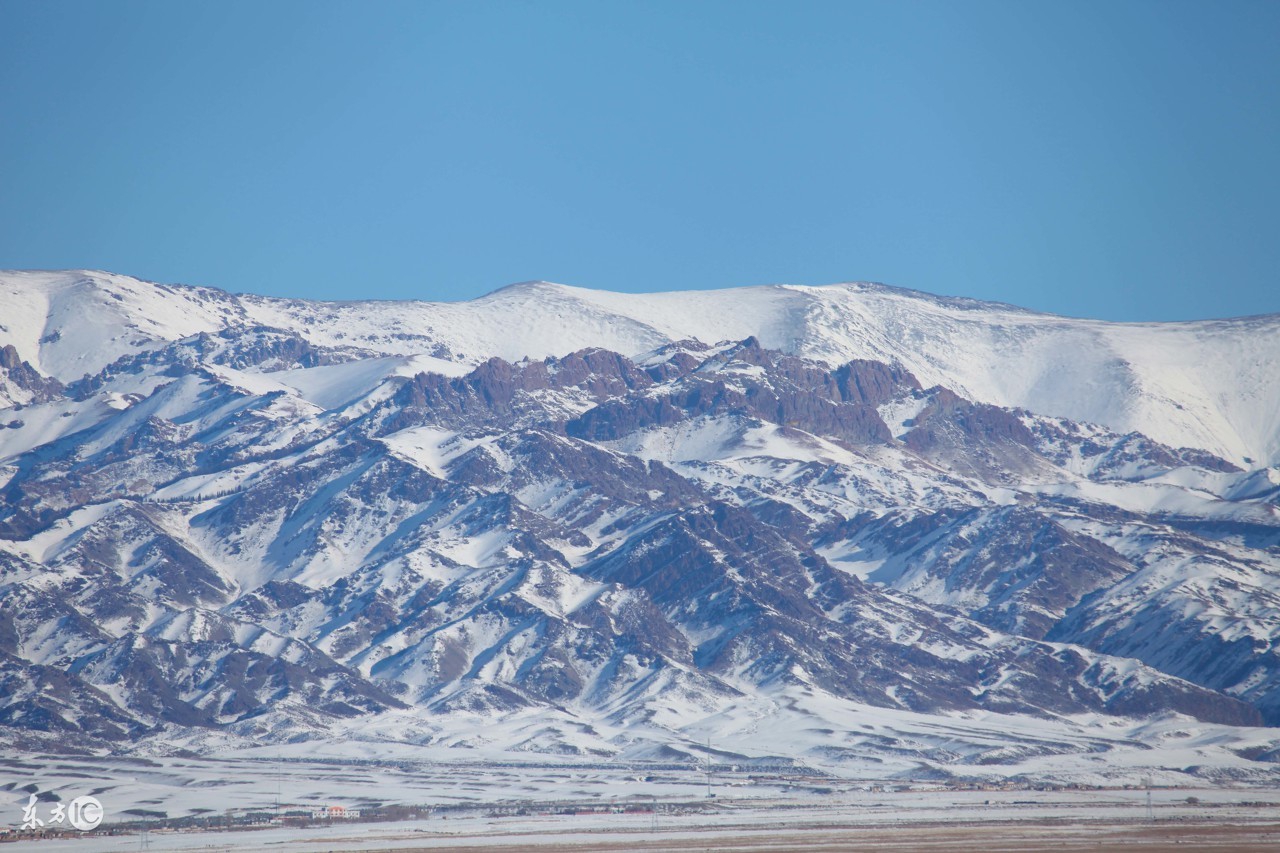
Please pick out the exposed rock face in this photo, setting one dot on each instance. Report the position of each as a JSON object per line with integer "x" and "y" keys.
{"x": 1020, "y": 569}
{"x": 21, "y": 382}
{"x": 785, "y": 391}
{"x": 209, "y": 549}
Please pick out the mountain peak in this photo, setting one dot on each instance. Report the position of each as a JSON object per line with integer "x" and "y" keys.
{"x": 531, "y": 286}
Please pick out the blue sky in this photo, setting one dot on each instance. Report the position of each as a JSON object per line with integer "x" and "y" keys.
{"x": 1105, "y": 159}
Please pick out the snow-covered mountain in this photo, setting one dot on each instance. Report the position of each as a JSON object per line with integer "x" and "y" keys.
{"x": 852, "y": 525}
{"x": 1214, "y": 384}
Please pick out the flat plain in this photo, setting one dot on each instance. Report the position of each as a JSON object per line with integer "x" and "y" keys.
{"x": 1218, "y": 820}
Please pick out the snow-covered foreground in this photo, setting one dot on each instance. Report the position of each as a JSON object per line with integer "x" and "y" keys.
{"x": 794, "y": 756}
{"x": 839, "y": 818}
{"x": 385, "y": 776}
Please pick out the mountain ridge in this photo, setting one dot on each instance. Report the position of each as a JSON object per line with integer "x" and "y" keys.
{"x": 90, "y": 275}
{"x": 1210, "y": 384}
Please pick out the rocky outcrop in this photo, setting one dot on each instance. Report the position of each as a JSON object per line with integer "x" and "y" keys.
{"x": 22, "y": 383}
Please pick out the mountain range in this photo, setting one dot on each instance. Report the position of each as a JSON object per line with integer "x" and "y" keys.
{"x": 851, "y": 527}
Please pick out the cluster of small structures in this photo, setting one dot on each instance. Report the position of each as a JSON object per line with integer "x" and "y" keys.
{"x": 229, "y": 820}
{"x": 301, "y": 817}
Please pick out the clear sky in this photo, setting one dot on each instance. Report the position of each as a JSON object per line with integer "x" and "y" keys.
{"x": 1105, "y": 159}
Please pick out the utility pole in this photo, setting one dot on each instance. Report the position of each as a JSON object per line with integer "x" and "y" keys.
{"x": 1150, "y": 817}
{"x": 709, "y": 794}
{"x": 279, "y": 785}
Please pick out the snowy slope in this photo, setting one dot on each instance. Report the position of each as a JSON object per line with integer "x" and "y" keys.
{"x": 1213, "y": 385}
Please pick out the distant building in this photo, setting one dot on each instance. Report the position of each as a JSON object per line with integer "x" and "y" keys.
{"x": 334, "y": 813}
